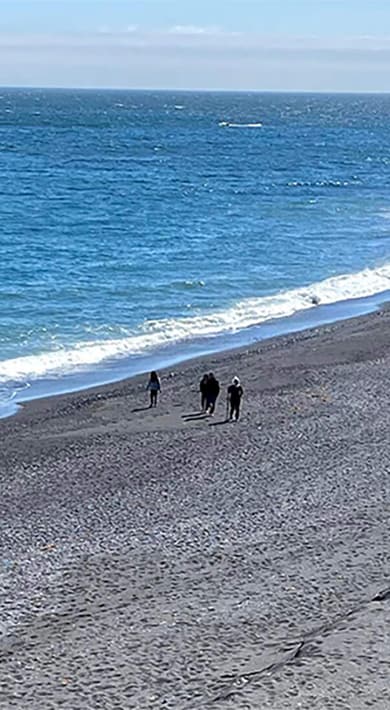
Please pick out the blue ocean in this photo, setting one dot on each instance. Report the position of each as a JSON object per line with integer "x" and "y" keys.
{"x": 142, "y": 227}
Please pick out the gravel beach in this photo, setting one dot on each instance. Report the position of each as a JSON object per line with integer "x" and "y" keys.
{"x": 161, "y": 559}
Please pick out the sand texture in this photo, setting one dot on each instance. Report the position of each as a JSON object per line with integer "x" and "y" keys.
{"x": 157, "y": 559}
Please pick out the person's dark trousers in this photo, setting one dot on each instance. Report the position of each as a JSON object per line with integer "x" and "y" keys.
{"x": 211, "y": 403}
{"x": 153, "y": 398}
{"x": 234, "y": 410}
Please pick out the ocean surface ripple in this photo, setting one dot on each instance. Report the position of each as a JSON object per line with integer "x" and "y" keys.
{"x": 129, "y": 225}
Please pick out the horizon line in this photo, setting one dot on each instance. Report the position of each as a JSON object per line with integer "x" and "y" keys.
{"x": 50, "y": 87}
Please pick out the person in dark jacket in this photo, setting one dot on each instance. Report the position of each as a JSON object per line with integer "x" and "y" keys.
{"x": 154, "y": 388}
{"x": 211, "y": 393}
{"x": 235, "y": 393}
{"x": 203, "y": 392}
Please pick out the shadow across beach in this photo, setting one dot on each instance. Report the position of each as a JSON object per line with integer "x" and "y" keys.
{"x": 195, "y": 418}
{"x": 220, "y": 422}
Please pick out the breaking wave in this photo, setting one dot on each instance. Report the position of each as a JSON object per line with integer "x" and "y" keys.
{"x": 152, "y": 336}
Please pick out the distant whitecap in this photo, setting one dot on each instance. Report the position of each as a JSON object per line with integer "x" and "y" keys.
{"x": 228, "y": 124}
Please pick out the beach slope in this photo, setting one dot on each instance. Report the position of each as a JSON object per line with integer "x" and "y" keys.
{"x": 158, "y": 559}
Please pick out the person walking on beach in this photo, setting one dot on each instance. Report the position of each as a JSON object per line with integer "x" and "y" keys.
{"x": 212, "y": 393}
{"x": 235, "y": 393}
{"x": 203, "y": 392}
{"x": 154, "y": 388}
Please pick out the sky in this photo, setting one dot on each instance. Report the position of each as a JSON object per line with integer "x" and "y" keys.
{"x": 265, "y": 45}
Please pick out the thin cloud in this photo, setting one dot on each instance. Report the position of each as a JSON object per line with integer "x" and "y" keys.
{"x": 191, "y": 30}
{"x": 201, "y": 59}
{"x": 213, "y": 38}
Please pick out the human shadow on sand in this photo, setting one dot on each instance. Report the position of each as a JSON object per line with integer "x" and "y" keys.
{"x": 220, "y": 422}
{"x": 141, "y": 409}
{"x": 196, "y": 418}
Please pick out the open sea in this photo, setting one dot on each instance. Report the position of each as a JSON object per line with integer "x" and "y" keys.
{"x": 138, "y": 228}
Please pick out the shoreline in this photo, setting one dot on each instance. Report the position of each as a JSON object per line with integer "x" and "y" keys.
{"x": 180, "y": 353}
{"x": 198, "y": 362}
{"x": 163, "y": 559}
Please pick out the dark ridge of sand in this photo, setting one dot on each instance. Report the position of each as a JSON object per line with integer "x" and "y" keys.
{"x": 154, "y": 560}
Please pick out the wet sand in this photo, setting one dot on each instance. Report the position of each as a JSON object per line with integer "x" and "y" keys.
{"x": 158, "y": 559}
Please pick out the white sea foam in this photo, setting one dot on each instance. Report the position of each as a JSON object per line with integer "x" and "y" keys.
{"x": 227, "y": 124}
{"x": 159, "y": 333}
